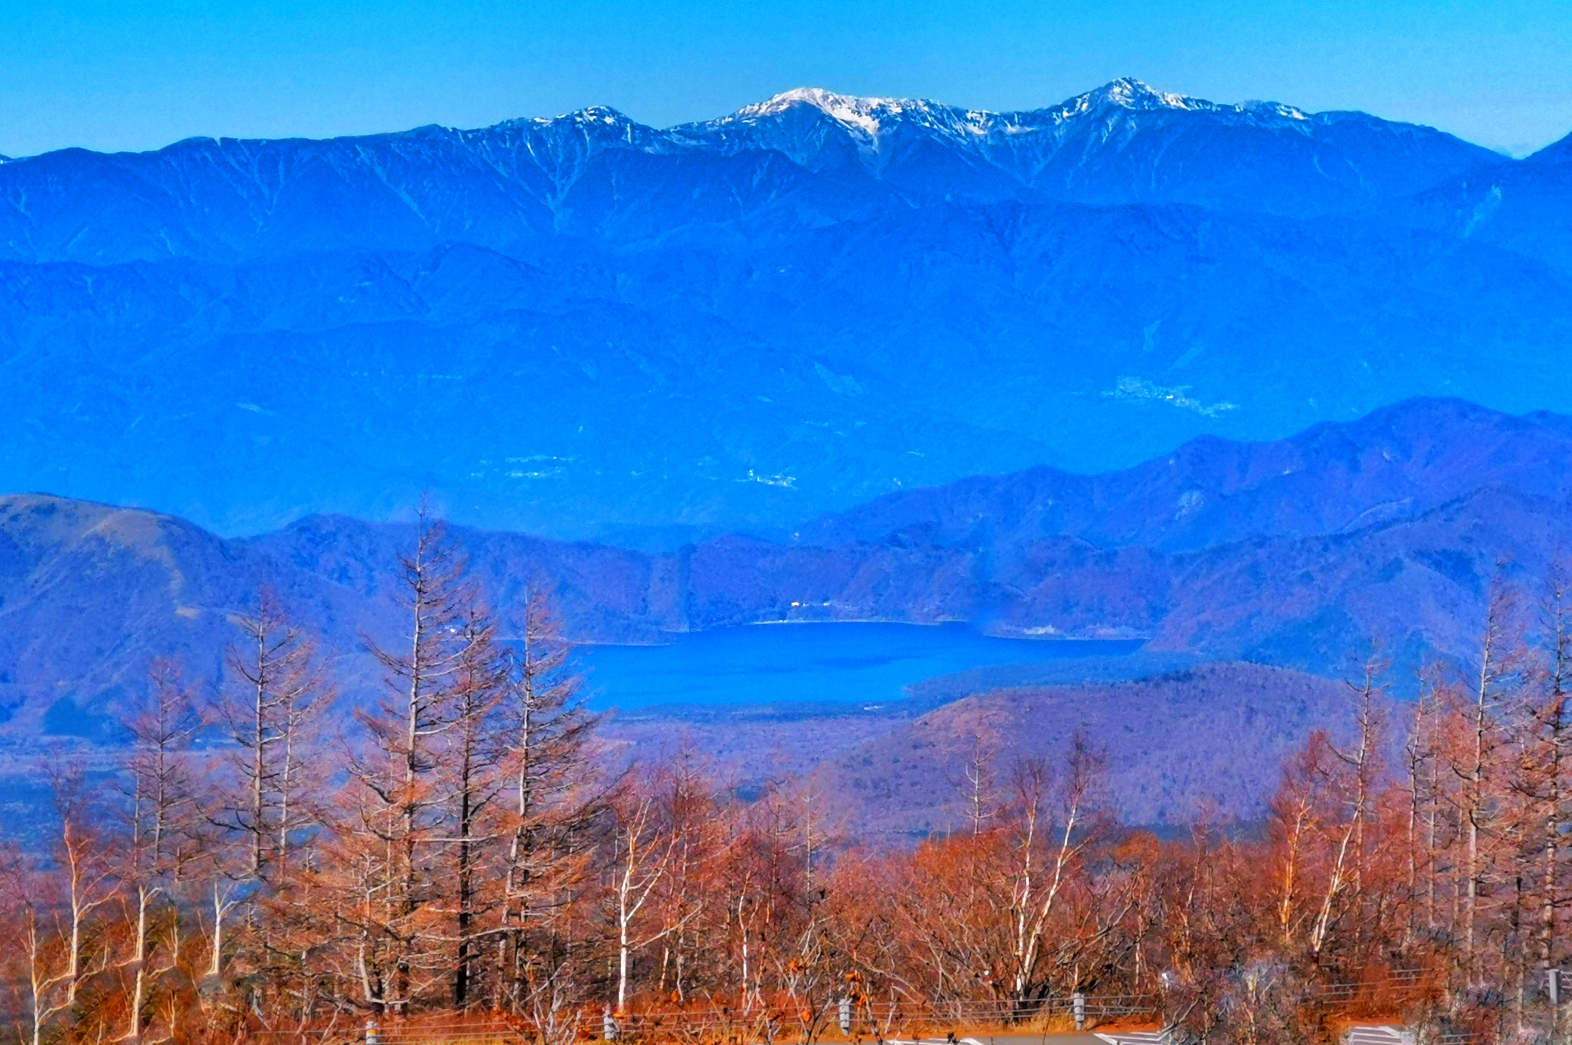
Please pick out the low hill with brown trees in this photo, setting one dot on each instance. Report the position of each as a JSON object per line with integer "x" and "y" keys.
{"x": 1209, "y": 742}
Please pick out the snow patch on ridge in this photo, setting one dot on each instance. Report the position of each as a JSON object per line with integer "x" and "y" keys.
{"x": 1135, "y": 96}
{"x": 858, "y": 113}
{"x": 803, "y": 123}
{"x": 1130, "y": 93}
{"x": 868, "y": 120}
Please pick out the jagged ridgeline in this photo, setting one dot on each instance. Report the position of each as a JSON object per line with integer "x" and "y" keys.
{"x": 583, "y": 326}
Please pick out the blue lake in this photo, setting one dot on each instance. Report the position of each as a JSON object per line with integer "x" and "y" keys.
{"x": 800, "y": 663}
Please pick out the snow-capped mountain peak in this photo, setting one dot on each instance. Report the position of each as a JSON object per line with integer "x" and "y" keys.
{"x": 845, "y": 105}
{"x": 596, "y": 114}
{"x": 820, "y": 129}
{"x": 1133, "y": 95}
{"x": 869, "y": 119}
{"x": 864, "y": 117}
{"x": 861, "y": 114}
{"x": 812, "y": 125}
{"x": 596, "y": 119}
{"x": 1130, "y": 93}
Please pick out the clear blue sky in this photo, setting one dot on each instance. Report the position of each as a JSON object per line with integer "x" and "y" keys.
{"x": 136, "y": 74}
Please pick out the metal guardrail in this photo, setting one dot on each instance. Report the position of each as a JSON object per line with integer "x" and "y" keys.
{"x": 1399, "y": 981}
{"x": 396, "y": 1032}
{"x": 757, "y": 1024}
{"x": 773, "y": 1023}
{"x": 881, "y": 1021}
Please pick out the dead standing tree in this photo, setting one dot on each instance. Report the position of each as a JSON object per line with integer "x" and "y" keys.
{"x": 58, "y": 911}
{"x": 1297, "y": 810}
{"x": 479, "y": 685}
{"x": 1422, "y": 765}
{"x": 1552, "y": 758}
{"x": 269, "y": 710}
{"x": 642, "y": 850}
{"x": 276, "y": 690}
{"x": 699, "y": 840}
{"x": 1535, "y": 815}
{"x": 401, "y": 806}
{"x": 1360, "y": 766}
{"x": 1496, "y": 670}
{"x": 553, "y": 804}
{"x": 162, "y": 825}
{"x": 1052, "y": 829}
{"x": 84, "y": 853}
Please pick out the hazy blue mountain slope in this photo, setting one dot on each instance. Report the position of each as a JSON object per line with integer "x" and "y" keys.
{"x": 1066, "y": 322}
{"x": 90, "y": 594}
{"x": 656, "y": 335}
{"x": 590, "y": 415}
{"x": 1416, "y": 587}
{"x": 704, "y": 388}
{"x": 1396, "y": 463}
{"x": 1299, "y": 553}
{"x": 1525, "y": 207}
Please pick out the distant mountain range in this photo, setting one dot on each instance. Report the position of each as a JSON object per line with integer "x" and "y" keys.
{"x": 588, "y": 328}
{"x": 1298, "y": 553}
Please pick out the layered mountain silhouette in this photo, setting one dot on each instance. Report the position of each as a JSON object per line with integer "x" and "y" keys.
{"x": 1300, "y": 553}
{"x": 589, "y": 328}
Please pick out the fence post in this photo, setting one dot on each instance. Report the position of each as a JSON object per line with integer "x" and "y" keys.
{"x": 371, "y": 1032}
{"x": 608, "y": 1025}
{"x": 1553, "y": 994}
{"x": 1078, "y": 1009}
{"x": 846, "y": 1014}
